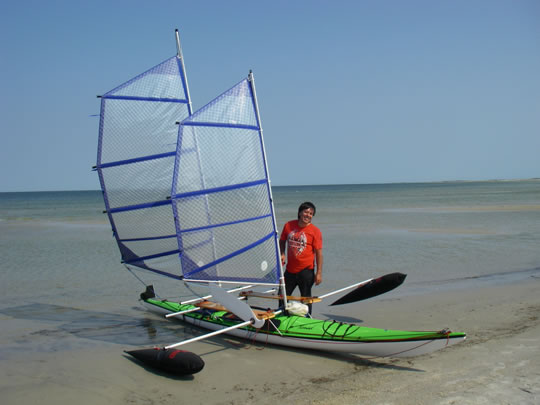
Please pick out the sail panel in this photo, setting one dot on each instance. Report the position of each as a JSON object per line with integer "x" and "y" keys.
{"x": 162, "y": 81}
{"x": 220, "y": 208}
{"x": 221, "y": 193}
{"x": 235, "y": 106}
{"x": 136, "y": 154}
{"x": 139, "y": 183}
{"x": 142, "y": 224}
{"x": 214, "y": 253}
{"x": 218, "y": 157}
{"x": 136, "y": 128}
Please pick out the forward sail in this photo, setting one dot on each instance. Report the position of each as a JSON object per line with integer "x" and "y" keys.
{"x": 136, "y": 154}
{"x": 221, "y": 196}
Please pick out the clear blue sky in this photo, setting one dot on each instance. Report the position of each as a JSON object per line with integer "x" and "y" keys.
{"x": 350, "y": 91}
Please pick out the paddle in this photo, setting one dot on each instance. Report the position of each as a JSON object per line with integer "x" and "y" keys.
{"x": 364, "y": 289}
{"x": 371, "y": 288}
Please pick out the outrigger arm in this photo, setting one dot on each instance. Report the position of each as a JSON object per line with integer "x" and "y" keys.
{"x": 217, "y": 332}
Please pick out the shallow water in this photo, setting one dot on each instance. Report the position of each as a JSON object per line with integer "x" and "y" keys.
{"x": 61, "y": 268}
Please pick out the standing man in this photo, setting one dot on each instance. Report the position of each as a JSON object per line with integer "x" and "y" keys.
{"x": 304, "y": 252}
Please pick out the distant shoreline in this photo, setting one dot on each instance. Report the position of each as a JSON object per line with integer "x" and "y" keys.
{"x": 324, "y": 185}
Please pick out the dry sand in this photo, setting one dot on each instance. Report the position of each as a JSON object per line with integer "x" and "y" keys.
{"x": 498, "y": 364}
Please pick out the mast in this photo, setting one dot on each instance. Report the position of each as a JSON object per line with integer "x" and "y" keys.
{"x": 251, "y": 80}
{"x": 181, "y": 60}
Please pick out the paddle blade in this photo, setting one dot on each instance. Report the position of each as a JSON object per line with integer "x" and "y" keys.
{"x": 172, "y": 361}
{"x": 373, "y": 288}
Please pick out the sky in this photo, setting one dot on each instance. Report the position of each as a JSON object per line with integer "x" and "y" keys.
{"x": 350, "y": 92}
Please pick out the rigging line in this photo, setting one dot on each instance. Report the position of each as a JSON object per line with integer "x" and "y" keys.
{"x": 193, "y": 292}
{"x": 163, "y": 273}
{"x": 138, "y": 278}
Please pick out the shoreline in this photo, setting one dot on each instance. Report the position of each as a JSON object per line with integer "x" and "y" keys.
{"x": 499, "y": 362}
{"x": 458, "y": 181}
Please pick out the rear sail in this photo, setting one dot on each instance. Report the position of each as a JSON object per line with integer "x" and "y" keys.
{"x": 224, "y": 216}
{"x": 136, "y": 154}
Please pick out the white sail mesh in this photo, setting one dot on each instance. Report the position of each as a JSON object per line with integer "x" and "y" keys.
{"x": 137, "y": 144}
{"x": 221, "y": 193}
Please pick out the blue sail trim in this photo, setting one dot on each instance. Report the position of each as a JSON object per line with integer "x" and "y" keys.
{"x": 141, "y": 159}
{"x": 220, "y": 189}
{"x": 155, "y": 99}
{"x": 149, "y": 238}
{"x": 136, "y": 160}
{"x": 220, "y": 125}
{"x": 231, "y": 255}
{"x": 143, "y": 258}
{"x": 203, "y": 228}
{"x": 139, "y": 206}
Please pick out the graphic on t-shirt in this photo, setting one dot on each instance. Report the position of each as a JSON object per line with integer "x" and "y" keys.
{"x": 297, "y": 242}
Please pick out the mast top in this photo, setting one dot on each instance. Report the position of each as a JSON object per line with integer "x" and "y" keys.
{"x": 178, "y": 47}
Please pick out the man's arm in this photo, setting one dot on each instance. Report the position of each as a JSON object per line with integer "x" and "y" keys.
{"x": 319, "y": 262}
{"x": 282, "y": 244}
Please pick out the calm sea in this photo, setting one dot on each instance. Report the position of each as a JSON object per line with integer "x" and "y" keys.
{"x": 59, "y": 262}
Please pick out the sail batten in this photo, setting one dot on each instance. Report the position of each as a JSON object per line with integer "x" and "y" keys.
{"x": 140, "y": 206}
{"x": 154, "y": 99}
{"x": 202, "y": 228}
{"x": 136, "y": 160}
{"x": 220, "y": 125}
{"x": 220, "y": 189}
{"x": 148, "y": 239}
{"x": 141, "y": 259}
{"x": 229, "y": 256}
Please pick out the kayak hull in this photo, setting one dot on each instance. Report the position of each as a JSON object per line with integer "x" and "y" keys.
{"x": 315, "y": 334}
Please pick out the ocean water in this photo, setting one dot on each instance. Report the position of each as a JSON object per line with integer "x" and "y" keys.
{"x": 60, "y": 264}
{"x": 433, "y": 232}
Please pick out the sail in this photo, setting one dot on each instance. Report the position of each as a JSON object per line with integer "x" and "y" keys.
{"x": 136, "y": 154}
{"x": 221, "y": 194}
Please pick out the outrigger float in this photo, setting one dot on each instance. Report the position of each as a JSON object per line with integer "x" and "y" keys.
{"x": 188, "y": 197}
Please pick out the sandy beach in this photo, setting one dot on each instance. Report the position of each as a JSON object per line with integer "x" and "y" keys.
{"x": 498, "y": 364}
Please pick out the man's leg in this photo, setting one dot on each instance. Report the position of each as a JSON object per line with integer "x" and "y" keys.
{"x": 305, "y": 280}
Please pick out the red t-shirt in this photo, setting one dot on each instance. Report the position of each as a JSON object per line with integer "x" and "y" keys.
{"x": 302, "y": 243}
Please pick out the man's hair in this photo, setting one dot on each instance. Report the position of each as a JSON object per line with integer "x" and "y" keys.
{"x": 306, "y": 205}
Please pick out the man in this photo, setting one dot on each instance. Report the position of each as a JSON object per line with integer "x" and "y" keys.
{"x": 304, "y": 252}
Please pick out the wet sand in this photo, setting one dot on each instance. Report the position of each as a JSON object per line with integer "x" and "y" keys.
{"x": 499, "y": 363}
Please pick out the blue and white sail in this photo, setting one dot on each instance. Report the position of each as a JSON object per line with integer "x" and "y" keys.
{"x": 221, "y": 195}
{"x": 136, "y": 153}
